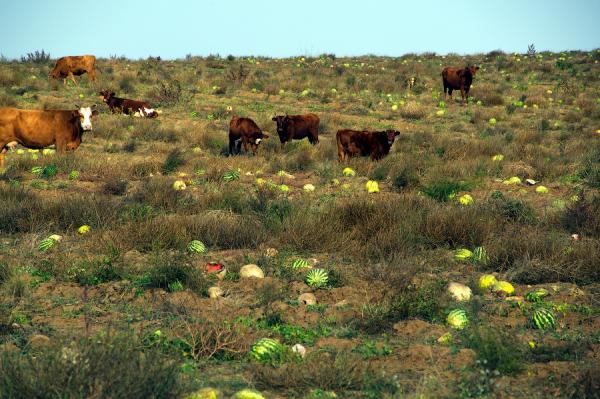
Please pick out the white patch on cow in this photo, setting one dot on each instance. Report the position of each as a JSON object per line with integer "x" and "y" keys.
{"x": 149, "y": 111}
{"x": 86, "y": 114}
{"x": 257, "y": 141}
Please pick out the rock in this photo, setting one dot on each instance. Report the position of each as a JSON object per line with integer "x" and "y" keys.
{"x": 248, "y": 394}
{"x": 39, "y": 341}
{"x": 251, "y": 271}
{"x": 271, "y": 252}
{"x": 215, "y": 292}
{"x": 299, "y": 349}
{"x": 307, "y": 299}
{"x": 459, "y": 291}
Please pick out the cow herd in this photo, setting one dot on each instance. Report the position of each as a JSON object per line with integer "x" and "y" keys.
{"x": 64, "y": 128}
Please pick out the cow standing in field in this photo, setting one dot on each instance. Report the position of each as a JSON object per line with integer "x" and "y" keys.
{"x": 244, "y": 130}
{"x": 364, "y": 143}
{"x": 126, "y": 106}
{"x": 458, "y": 79}
{"x": 39, "y": 129}
{"x": 71, "y": 66}
{"x": 297, "y": 127}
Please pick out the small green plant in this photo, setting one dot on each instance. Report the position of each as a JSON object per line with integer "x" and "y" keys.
{"x": 496, "y": 349}
{"x": 174, "y": 160}
{"x": 317, "y": 278}
{"x": 444, "y": 190}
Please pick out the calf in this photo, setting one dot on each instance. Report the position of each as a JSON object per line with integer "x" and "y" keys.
{"x": 128, "y": 107}
{"x": 71, "y": 66}
{"x": 244, "y": 130}
{"x": 39, "y": 129}
{"x": 297, "y": 127}
{"x": 354, "y": 142}
{"x": 458, "y": 79}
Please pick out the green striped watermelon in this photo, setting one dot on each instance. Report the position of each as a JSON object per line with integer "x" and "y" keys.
{"x": 197, "y": 247}
{"x": 300, "y": 264}
{"x": 457, "y": 319}
{"x": 37, "y": 170}
{"x": 543, "y": 319}
{"x": 479, "y": 256}
{"x": 265, "y": 350}
{"x": 48, "y": 243}
{"x": 536, "y": 295}
{"x": 231, "y": 175}
{"x": 317, "y": 278}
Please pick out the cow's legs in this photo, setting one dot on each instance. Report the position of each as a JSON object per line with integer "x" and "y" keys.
{"x": 245, "y": 141}
{"x": 450, "y": 92}
{"x": 462, "y": 93}
{"x": 72, "y": 77}
{"x": 2, "y": 152}
{"x": 231, "y": 146}
{"x": 92, "y": 74}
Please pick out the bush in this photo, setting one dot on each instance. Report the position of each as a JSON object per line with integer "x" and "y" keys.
{"x": 444, "y": 190}
{"x": 106, "y": 366}
{"x": 173, "y": 161}
{"x": 167, "y": 269}
{"x": 37, "y": 57}
{"x": 496, "y": 350}
{"x": 583, "y": 216}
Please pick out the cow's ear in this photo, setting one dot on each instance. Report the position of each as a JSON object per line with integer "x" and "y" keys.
{"x": 274, "y": 119}
{"x": 396, "y": 133}
{"x": 265, "y": 136}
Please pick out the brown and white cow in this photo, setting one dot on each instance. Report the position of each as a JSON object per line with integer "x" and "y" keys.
{"x": 458, "y": 79}
{"x": 128, "y": 107}
{"x": 244, "y": 130}
{"x": 351, "y": 143}
{"x": 297, "y": 127}
{"x": 39, "y": 129}
{"x": 71, "y": 66}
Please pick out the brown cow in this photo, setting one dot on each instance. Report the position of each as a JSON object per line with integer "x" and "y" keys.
{"x": 458, "y": 79}
{"x": 71, "y": 66}
{"x": 297, "y": 127}
{"x": 244, "y": 130}
{"x": 39, "y": 129}
{"x": 126, "y": 106}
{"x": 355, "y": 142}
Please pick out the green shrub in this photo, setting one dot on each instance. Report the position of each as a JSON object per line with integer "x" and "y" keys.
{"x": 103, "y": 367}
{"x": 174, "y": 160}
{"x": 496, "y": 350}
{"x": 444, "y": 190}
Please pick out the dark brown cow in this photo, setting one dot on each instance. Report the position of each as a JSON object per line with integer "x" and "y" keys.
{"x": 39, "y": 129}
{"x": 356, "y": 142}
{"x": 71, "y": 66}
{"x": 126, "y": 106}
{"x": 297, "y": 127}
{"x": 244, "y": 130}
{"x": 458, "y": 79}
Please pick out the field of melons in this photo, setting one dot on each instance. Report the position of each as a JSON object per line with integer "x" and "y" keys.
{"x": 471, "y": 269}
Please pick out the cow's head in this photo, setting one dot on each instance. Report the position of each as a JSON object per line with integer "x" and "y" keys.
{"x": 282, "y": 124}
{"x": 391, "y": 136}
{"x": 256, "y": 138}
{"x": 85, "y": 117}
{"x": 55, "y": 73}
{"x": 473, "y": 69}
{"x": 106, "y": 95}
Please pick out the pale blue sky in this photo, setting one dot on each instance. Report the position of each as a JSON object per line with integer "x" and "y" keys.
{"x": 279, "y": 28}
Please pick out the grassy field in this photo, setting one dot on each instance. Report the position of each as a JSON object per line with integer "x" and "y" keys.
{"x": 123, "y": 310}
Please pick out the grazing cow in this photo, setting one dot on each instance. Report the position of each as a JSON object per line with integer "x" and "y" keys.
{"x": 128, "y": 107}
{"x": 244, "y": 130}
{"x": 354, "y": 142}
{"x": 297, "y": 127}
{"x": 458, "y": 79}
{"x": 69, "y": 67}
{"x": 39, "y": 129}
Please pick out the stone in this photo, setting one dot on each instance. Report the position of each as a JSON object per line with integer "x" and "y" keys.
{"x": 215, "y": 292}
{"x": 251, "y": 271}
{"x": 307, "y": 299}
{"x": 459, "y": 291}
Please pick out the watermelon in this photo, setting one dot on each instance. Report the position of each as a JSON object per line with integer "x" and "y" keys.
{"x": 480, "y": 256}
{"x": 37, "y": 170}
{"x": 487, "y": 281}
{"x": 265, "y": 349}
{"x": 503, "y": 287}
{"x": 83, "y": 229}
{"x": 536, "y": 295}
{"x": 349, "y": 172}
{"x": 196, "y": 247}
{"x": 300, "y": 264}
{"x": 543, "y": 319}
{"x": 49, "y": 242}
{"x": 231, "y": 175}
{"x": 317, "y": 278}
{"x": 457, "y": 319}
{"x": 463, "y": 254}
